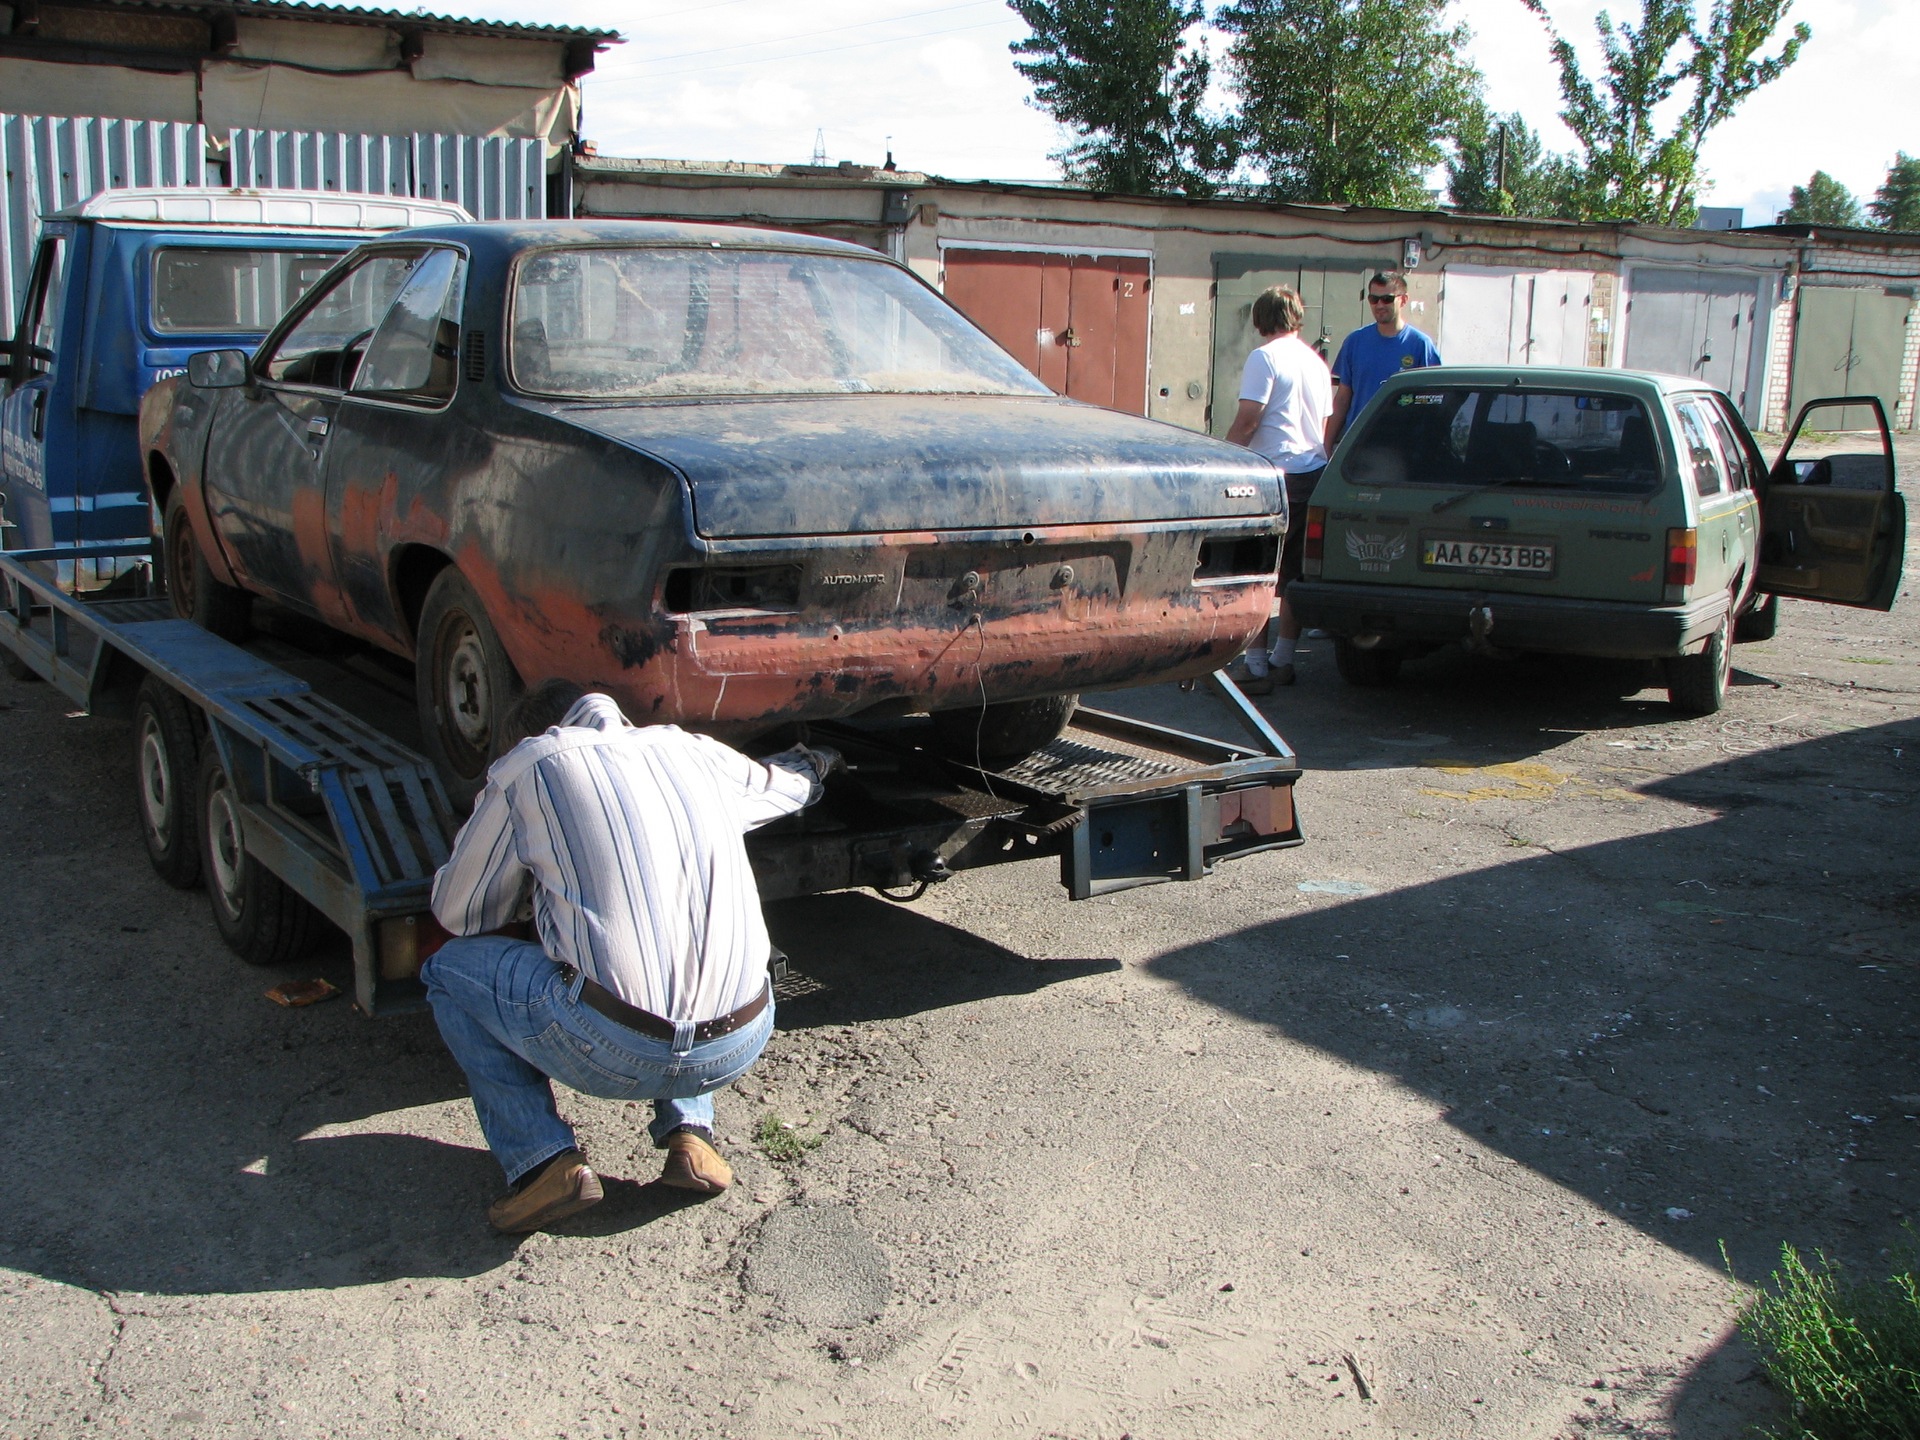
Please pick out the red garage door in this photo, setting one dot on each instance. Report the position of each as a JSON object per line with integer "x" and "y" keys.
{"x": 1079, "y": 322}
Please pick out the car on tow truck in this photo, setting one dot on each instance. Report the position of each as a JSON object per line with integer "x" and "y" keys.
{"x": 1591, "y": 512}
{"x": 737, "y": 479}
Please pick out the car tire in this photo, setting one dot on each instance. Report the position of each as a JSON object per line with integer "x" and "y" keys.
{"x": 263, "y": 920}
{"x": 218, "y": 608}
{"x": 995, "y": 736}
{"x": 1369, "y": 669}
{"x": 166, "y": 749}
{"x": 1697, "y": 684}
{"x": 464, "y": 682}
{"x": 1761, "y": 622}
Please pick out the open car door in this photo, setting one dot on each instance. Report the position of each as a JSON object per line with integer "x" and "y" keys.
{"x": 1832, "y": 525}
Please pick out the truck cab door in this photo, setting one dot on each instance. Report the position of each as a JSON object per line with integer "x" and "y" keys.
{"x": 1833, "y": 526}
{"x": 27, "y": 404}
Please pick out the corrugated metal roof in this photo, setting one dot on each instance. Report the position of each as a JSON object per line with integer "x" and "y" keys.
{"x": 367, "y": 15}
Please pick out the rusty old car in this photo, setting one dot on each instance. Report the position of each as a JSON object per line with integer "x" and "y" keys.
{"x": 735, "y": 478}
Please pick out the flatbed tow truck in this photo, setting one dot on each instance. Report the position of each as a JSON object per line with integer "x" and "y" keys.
{"x": 282, "y": 775}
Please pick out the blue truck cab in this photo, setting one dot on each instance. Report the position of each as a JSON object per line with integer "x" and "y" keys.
{"x": 124, "y": 288}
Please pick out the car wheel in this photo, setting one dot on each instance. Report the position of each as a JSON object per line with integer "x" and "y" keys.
{"x": 995, "y": 736}
{"x": 262, "y": 919}
{"x": 221, "y": 609}
{"x": 465, "y": 683}
{"x": 1368, "y": 669}
{"x": 1698, "y": 684}
{"x": 1761, "y": 622}
{"x": 165, "y": 747}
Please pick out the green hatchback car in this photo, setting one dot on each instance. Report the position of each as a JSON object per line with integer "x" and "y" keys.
{"x": 1590, "y": 512}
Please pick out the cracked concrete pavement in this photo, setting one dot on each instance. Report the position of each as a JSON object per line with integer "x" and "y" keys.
{"x": 1432, "y": 1127}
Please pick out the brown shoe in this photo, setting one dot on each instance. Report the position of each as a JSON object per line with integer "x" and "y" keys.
{"x": 1256, "y": 685}
{"x": 693, "y": 1164}
{"x": 564, "y": 1187}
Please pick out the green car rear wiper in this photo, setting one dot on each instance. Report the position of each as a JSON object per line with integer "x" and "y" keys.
{"x": 1468, "y": 494}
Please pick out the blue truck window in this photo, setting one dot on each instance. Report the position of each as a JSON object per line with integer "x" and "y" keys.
{"x": 42, "y": 315}
{"x": 219, "y": 291}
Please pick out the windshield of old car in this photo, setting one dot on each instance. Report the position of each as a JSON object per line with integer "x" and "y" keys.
{"x": 223, "y": 292}
{"x": 668, "y": 321}
{"x": 1464, "y": 436}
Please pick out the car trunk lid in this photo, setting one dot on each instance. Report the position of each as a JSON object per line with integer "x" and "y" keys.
{"x": 871, "y": 464}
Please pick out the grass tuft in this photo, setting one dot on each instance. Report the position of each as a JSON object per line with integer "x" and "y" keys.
{"x": 1845, "y": 1352}
{"x": 779, "y": 1140}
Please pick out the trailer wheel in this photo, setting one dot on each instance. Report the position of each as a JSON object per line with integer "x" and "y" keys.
{"x": 165, "y": 747}
{"x": 994, "y": 736}
{"x": 465, "y": 683}
{"x": 17, "y": 668}
{"x": 196, "y": 595}
{"x": 262, "y": 919}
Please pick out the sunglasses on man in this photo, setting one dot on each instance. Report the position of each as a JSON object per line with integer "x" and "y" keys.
{"x": 1373, "y": 299}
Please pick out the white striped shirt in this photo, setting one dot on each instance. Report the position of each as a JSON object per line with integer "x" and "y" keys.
{"x": 631, "y": 838}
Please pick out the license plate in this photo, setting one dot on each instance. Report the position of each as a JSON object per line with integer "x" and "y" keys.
{"x": 1505, "y": 557}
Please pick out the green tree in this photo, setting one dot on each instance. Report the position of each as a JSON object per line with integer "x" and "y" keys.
{"x": 1538, "y": 184}
{"x": 1632, "y": 168}
{"x": 1896, "y": 204}
{"x": 1823, "y": 200}
{"x": 1348, "y": 101}
{"x": 1122, "y": 74}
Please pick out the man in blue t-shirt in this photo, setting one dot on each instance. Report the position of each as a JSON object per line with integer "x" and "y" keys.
{"x": 1373, "y": 352}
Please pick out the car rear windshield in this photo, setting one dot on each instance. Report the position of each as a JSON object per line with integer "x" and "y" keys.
{"x": 607, "y": 323}
{"x": 1462, "y": 437}
{"x": 226, "y": 292}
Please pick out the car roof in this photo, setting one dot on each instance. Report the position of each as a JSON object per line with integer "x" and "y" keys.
{"x": 1547, "y": 377}
{"x": 507, "y": 237}
{"x": 247, "y": 208}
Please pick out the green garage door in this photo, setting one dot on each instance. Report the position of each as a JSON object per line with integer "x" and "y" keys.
{"x": 1333, "y": 292}
{"x": 1849, "y": 340}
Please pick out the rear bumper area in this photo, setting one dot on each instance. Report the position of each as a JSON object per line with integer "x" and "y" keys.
{"x": 1407, "y": 616}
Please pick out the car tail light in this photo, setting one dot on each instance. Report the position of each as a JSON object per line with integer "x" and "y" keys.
{"x": 1314, "y": 543}
{"x": 1683, "y": 561}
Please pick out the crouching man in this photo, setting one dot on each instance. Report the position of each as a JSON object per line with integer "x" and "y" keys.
{"x": 649, "y": 980}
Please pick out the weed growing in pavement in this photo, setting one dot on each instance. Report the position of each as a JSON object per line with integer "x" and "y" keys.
{"x": 779, "y": 1140}
{"x": 1845, "y": 1352}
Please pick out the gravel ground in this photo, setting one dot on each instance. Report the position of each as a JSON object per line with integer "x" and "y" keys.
{"x": 1433, "y": 1127}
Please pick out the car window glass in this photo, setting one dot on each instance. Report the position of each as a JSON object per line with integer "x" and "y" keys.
{"x": 1702, "y": 457}
{"x": 209, "y": 291}
{"x": 1736, "y": 441}
{"x": 323, "y": 346}
{"x": 40, "y": 321}
{"x": 1462, "y": 437}
{"x": 667, "y": 321}
{"x": 1733, "y": 456}
{"x": 416, "y": 349}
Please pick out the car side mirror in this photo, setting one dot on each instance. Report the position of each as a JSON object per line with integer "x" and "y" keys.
{"x": 217, "y": 369}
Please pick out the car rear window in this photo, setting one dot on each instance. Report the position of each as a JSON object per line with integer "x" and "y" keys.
{"x": 1462, "y": 436}
{"x": 229, "y": 291}
{"x": 641, "y": 323}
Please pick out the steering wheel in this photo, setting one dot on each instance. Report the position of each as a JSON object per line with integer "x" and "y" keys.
{"x": 1550, "y": 462}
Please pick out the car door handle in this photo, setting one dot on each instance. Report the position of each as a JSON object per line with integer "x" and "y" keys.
{"x": 317, "y": 427}
{"x": 39, "y": 414}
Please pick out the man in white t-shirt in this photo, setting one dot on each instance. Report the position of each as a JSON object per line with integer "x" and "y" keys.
{"x": 1286, "y": 398}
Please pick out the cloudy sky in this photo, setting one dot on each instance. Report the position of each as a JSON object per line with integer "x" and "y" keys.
{"x": 756, "y": 79}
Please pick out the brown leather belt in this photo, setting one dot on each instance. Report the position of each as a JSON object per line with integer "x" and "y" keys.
{"x": 647, "y": 1023}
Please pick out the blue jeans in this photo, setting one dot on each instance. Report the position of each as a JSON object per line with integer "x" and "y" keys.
{"x": 512, "y": 1020}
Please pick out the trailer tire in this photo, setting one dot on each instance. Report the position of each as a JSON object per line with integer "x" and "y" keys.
{"x": 465, "y": 684}
{"x": 18, "y": 668}
{"x": 165, "y": 783}
{"x": 1002, "y": 734}
{"x": 217, "y": 608}
{"x": 262, "y": 919}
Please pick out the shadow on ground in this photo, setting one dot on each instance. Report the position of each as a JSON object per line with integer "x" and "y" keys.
{"x": 1710, "y": 1032}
